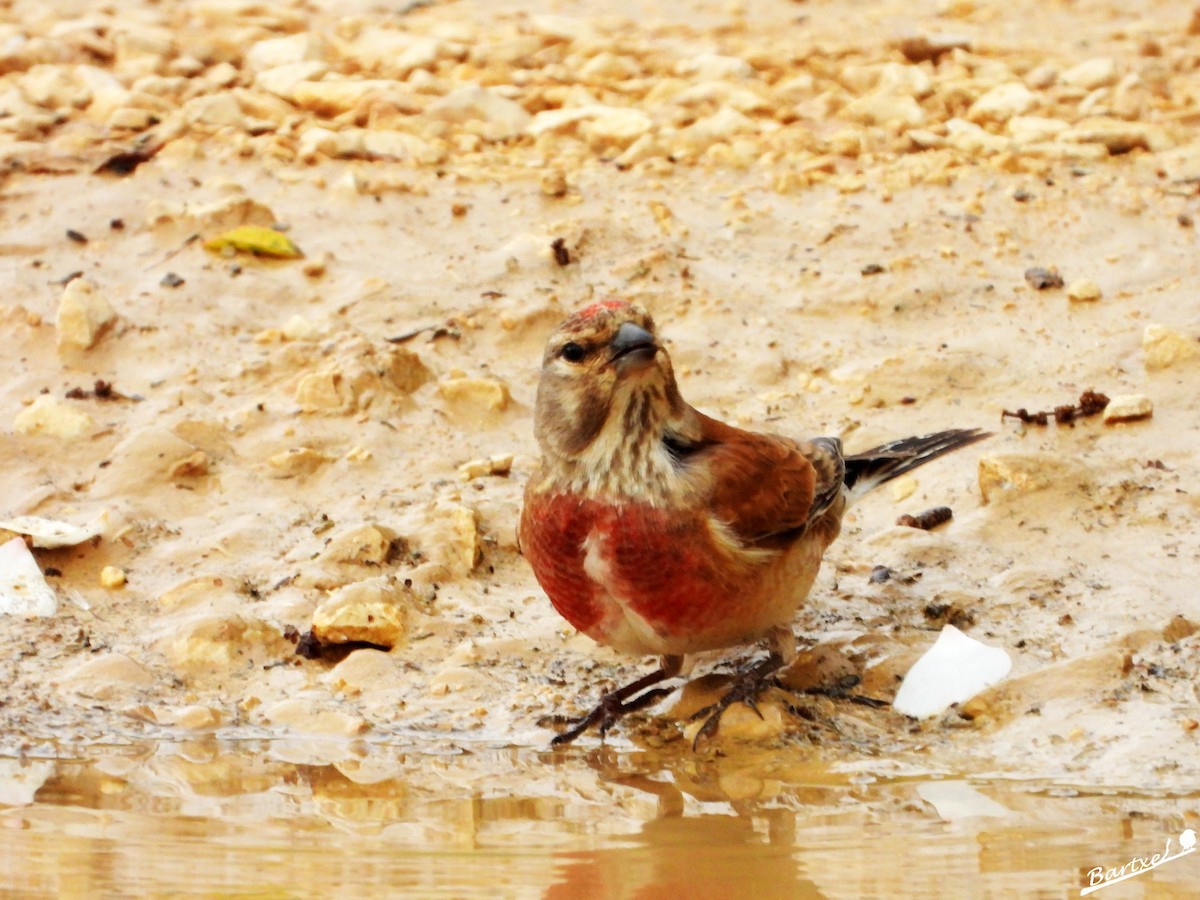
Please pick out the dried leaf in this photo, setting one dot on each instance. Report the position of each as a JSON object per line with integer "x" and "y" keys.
{"x": 254, "y": 239}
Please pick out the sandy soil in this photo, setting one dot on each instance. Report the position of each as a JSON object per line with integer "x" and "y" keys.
{"x": 833, "y": 236}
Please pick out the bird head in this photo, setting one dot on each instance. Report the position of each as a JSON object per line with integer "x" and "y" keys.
{"x": 606, "y": 384}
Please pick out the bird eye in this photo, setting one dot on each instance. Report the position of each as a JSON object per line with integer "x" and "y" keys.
{"x": 572, "y": 352}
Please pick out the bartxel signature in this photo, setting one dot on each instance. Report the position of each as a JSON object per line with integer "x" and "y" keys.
{"x": 1101, "y": 877}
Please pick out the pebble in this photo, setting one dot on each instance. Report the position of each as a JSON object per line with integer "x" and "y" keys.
{"x": 363, "y": 670}
{"x": 366, "y": 545}
{"x": 450, "y": 537}
{"x": 1164, "y": 348}
{"x": 1035, "y": 129}
{"x": 1091, "y": 74}
{"x": 145, "y": 457}
{"x": 1024, "y": 473}
{"x": 281, "y": 81}
{"x": 714, "y": 67}
{"x": 310, "y": 715}
{"x": 374, "y": 612}
{"x": 1115, "y": 135}
{"x": 1002, "y": 102}
{"x": 112, "y": 577}
{"x": 480, "y": 394}
{"x": 502, "y": 118}
{"x": 885, "y": 108}
{"x": 106, "y": 676}
{"x": 1083, "y": 291}
{"x": 499, "y": 464}
{"x": 50, "y": 417}
{"x": 1128, "y": 408}
{"x": 299, "y": 462}
{"x": 307, "y": 46}
{"x": 218, "y": 645}
{"x": 83, "y": 316}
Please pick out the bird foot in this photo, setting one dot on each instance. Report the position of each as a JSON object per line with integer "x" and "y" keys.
{"x": 842, "y": 691}
{"x": 747, "y": 687}
{"x": 614, "y": 705}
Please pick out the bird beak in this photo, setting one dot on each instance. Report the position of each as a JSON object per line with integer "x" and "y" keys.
{"x": 632, "y": 344}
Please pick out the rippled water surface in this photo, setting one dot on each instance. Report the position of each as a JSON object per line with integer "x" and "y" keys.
{"x": 299, "y": 819}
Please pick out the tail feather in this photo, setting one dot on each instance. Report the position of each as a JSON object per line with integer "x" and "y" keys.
{"x": 867, "y": 470}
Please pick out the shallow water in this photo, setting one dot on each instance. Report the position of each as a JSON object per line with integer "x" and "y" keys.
{"x": 284, "y": 819}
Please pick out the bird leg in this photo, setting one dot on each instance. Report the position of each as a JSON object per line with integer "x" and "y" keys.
{"x": 623, "y": 700}
{"x": 746, "y": 688}
{"x": 749, "y": 683}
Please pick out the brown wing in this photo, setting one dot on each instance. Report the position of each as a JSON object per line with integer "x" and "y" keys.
{"x": 765, "y": 486}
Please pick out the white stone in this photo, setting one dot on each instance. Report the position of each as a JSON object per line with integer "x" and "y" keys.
{"x": 1092, "y": 74}
{"x": 83, "y": 316}
{"x": 306, "y": 46}
{"x": 1083, "y": 291}
{"x": 1128, "y": 408}
{"x": 1164, "y": 348}
{"x": 47, "y": 416}
{"x": 882, "y": 107}
{"x": 221, "y": 110}
{"x": 912, "y": 81}
{"x": 714, "y": 67}
{"x": 373, "y": 612}
{"x": 970, "y": 138}
{"x": 506, "y": 118}
{"x": 953, "y": 670}
{"x": 332, "y": 98}
{"x": 1035, "y": 129}
{"x": 23, "y": 588}
{"x": 282, "y": 80}
{"x": 613, "y": 121}
{"x": 51, "y": 533}
{"x": 1002, "y": 102}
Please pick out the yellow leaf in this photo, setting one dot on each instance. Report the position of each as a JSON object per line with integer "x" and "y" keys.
{"x": 254, "y": 239}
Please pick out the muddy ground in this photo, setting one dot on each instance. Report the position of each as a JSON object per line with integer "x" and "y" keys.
{"x": 829, "y": 207}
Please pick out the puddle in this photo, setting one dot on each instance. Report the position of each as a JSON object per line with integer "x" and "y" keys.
{"x": 278, "y": 820}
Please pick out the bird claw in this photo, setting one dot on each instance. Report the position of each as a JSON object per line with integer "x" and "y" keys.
{"x": 746, "y": 688}
{"x": 612, "y": 707}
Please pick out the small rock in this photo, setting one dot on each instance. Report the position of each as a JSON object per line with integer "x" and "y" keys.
{"x": 1116, "y": 135}
{"x": 112, "y": 577}
{"x": 450, "y": 537}
{"x": 332, "y": 98}
{"x": 220, "y": 110}
{"x": 51, "y": 533}
{"x": 1024, "y": 473}
{"x": 281, "y": 81}
{"x": 365, "y": 545}
{"x": 107, "y": 676}
{"x": 1164, "y": 348}
{"x": 47, "y": 416}
{"x": 23, "y": 588}
{"x": 1092, "y": 74}
{"x": 299, "y": 462}
{"x": 195, "y": 718}
{"x": 714, "y": 67}
{"x": 484, "y": 394}
{"x": 885, "y": 108}
{"x": 903, "y": 487}
{"x": 1002, "y": 102}
{"x": 307, "y": 715}
{"x": 373, "y": 612}
{"x": 1128, "y": 408}
{"x": 83, "y": 316}
{"x": 1083, "y": 291}
{"x": 221, "y": 644}
{"x": 603, "y": 126}
{"x": 1043, "y": 279}
{"x": 928, "y": 47}
{"x": 500, "y": 464}
{"x": 305, "y": 46}
{"x": 1035, "y": 129}
{"x": 363, "y": 670}
{"x": 554, "y": 183}
{"x": 953, "y": 670}
{"x": 147, "y": 456}
{"x": 502, "y": 118}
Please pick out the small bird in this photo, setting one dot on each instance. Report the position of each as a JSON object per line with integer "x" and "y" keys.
{"x": 657, "y": 530}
